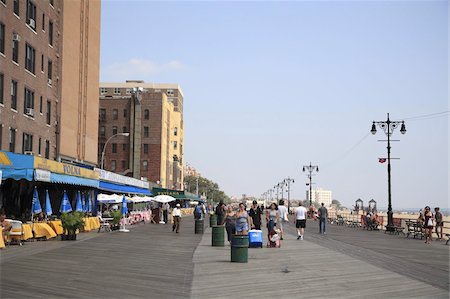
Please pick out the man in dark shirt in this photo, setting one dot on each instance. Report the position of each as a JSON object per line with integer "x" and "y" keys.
{"x": 255, "y": 215}
{"x": 323, "y": 215}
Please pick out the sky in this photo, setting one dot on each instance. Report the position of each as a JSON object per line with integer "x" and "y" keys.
{"x": 272, "y": 86}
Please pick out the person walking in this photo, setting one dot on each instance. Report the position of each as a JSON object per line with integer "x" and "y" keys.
{"x": 230, "y": 222}
{"x": 300, "y": 220}
{"x": 165, "y": 208}
{"x": 427, "y": 220}
{"x": 323, "y": 216}
{"x": 198, "y": 211}
{"x": 220, "y": 211}
{"x": 272, "y": 217}
{"x": 283, "y": 212}
{"x": 176, "y": 214}
{"x": 439, "y": 222}
{"x": 242, "y": 220}
{"x": 255, "y": 216}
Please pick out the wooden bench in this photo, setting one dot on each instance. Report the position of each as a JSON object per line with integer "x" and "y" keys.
{"x": 395, "y": 230}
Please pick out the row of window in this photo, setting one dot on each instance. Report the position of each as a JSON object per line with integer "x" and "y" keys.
{"x": 28, "y": 107}
{"x": 30, "y": 54}
{"x": 114, "y": 131}
{"x": 124, "y": 165}
{"x": 27, "y": 143}
{"x": 115, "y": 114}
{"x": 116, "y": 91}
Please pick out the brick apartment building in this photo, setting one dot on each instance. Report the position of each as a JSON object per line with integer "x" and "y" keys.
{"x": 46, "y": 104}
{"x": 153, "y": 116}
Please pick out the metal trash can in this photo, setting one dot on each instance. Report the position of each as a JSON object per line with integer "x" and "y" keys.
{"x": 199, "y": 224}
{"x": 218, "y": 236}
{"x": 239, "y": 248}
{"x": 212, "y": 220}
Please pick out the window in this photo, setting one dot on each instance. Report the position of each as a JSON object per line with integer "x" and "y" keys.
{"x": 124, "y": 146}
{"x": 49, "y": 112}
{"x": 124, "y": 129}
{"x": 49, "y": 72}
{"x": 16, "y": 7}
{"x": 146, "y": 114}
{"x": 102, "y": 131}
{"x": 175, "y": 145}
{"x": 29, "y": 102}
{"x": 145, "y": 148}
{"x": 12, "y": 140}
{"x": 39, "y": 145}
{"x": 114, "y": 130}
{"x": 50, "y": 33}
{"x": 116, "y": 90}
{"x": 43, "y": 22}
{"x": 103, "y": 90}
{"x": 51, "y": 2}
{"x": 31, "y": 14}
{"x": 170, "y": 92}
{"x": 113, "y": 165}
{"x": 27, "y": 145}
{"x": 102, "y": 114}
{"x": 30, "y": 54}
{"x": 15, "y": 48}
{"x": 145, "y": 165}
{"x": 40, "y": 105}
{"x": 14, "y": 95}
{"x": 47, "y": 149}
{"x": 175, "y": 131}
{"x": 128, "y": 91}
{"x": 124, "y": 165}
{"x": 2, "y": 38}
{"x": 145, "y": 131}
{"x": 115, "y": 114}
{"x": 114, "y": 148}
{"x": 125, "y": 113}
{"x": 2, "y": 84}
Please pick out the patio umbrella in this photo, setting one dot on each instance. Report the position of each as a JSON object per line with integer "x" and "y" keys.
{"x": 89, "y": 203}
{"x": 84, "y": 203}
{"x": 79, "y": 205}
{"x": 36, "y": 204}
{"x": 48, "y": 206}
{"x": 163, "y": 198}
{"x": 65, "y": 204}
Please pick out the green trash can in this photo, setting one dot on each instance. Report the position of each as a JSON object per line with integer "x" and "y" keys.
{"x": 218, "y": 236}
{"x": 212, "y": 220}
{"x": 239, "y": 248}
{"x": 199, "y": 224}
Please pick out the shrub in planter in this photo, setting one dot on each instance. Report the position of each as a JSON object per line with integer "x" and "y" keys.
{"x": 116, "y": 215}
{"x": 71, "y": 222}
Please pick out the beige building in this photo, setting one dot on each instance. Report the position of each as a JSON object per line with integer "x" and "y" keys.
{"x": 320, "y": 196}
{"x": 152, "y": 114}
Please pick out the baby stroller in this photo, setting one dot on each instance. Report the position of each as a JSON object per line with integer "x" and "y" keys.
{"x": 273, "y": 236}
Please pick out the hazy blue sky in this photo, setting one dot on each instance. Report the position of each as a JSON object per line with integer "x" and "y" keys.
{"x": 271, "y": 86}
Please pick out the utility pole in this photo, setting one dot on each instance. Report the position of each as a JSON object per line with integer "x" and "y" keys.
{"x": 388, "y": 127}
{"x": 278, "y": 188}
{"x": 288, "y": 182}
{"x": 309, "y": 169}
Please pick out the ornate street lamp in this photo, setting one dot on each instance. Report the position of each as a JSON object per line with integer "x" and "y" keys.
{"x": 309, "y": 169}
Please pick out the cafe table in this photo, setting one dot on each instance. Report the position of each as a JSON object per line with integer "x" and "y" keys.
{"x": 42, "y": 229}
{"x": 56, "y": 225}
{"x": 87, "y": 224}
{"x": 94, "y": 223}
{"x": 27, "y": 231}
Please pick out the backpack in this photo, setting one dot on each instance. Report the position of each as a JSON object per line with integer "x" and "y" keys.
{"x": 198, "y": 211}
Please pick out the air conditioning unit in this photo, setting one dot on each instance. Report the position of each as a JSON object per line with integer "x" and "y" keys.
{"x": 30, "y": 112}
{"x": 16, "y": 37}
{"x": 49, "y": 81}
{"x": 28, "y": 153}
{"x": 32, "y": 23}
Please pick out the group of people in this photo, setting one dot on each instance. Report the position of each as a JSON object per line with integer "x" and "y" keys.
{"x": 431, "y": 220}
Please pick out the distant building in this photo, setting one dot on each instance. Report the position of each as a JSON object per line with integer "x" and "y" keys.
{"x": 153, "y": 116}
{"x": 321, "y": 196}
{"x": 190, "y": 170}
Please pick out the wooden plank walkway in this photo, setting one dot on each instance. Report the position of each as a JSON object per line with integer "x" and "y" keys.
{"x": 148, "y": 262}
{"x": 300, "y": 269}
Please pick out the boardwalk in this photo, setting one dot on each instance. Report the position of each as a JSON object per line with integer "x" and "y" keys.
{"x": 152, "y": 262}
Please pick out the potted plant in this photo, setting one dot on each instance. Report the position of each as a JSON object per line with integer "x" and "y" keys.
{"x": 117, "y": 216}
{"x": 71, "y": 222}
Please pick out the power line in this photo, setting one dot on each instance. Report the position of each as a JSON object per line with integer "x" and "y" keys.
{"x": 427, "y": 116}
{"x": 349, "y": 150}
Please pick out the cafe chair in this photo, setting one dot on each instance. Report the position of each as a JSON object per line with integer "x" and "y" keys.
{"x": 16, "y": 233}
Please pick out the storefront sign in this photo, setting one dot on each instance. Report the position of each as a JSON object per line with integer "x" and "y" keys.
{"x": 171, "y": 192}
{"x": 42, "y": 175}
{"x": 63, "y": 168}
{"x": 121, "y": 179}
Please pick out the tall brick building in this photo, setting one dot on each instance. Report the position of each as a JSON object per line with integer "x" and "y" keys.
{"x": 153, "y": 115}
{"x": 46, "y": 104}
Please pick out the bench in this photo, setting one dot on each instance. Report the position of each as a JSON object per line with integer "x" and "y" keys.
{"x": 395, "y": 230}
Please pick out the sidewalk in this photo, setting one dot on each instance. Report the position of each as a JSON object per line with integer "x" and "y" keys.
{"x": 299, "y": 269}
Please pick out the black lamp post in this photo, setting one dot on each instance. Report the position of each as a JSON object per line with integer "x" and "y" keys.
{"x": 309, "y": 169}
{"x": 388, "y": 127}
{"x": 288, "y": 181}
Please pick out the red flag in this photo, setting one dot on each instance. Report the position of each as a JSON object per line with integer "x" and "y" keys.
{"x": 381, "y": 160}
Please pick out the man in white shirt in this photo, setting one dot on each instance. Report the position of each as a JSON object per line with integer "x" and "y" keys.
{"x": 283, "y": 212}
{"x": 176, "y": 214}
{"x": 300, "y": 222}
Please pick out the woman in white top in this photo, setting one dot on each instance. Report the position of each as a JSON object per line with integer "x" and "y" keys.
{"x": 283, "y": 212}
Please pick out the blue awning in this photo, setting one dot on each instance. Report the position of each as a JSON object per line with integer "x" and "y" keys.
{"x": 17, "y": 174}
{"x": 72, "y": 180}
{"x": 112, "y": 187}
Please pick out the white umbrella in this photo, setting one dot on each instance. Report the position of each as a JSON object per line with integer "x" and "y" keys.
{"x": 163, "y": 198}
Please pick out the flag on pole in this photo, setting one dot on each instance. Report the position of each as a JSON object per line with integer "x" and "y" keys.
{"x": 382, "y": 160}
